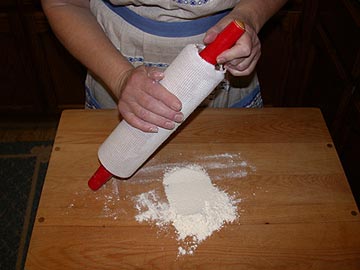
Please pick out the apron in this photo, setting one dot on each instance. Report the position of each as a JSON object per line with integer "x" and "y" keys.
{"x": 156, "y": 39}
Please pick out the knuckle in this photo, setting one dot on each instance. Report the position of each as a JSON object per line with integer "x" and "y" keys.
{"x": 147, "y": 102}
{"x": 122, "y": 107}
{"x": 142, "y": 113}
{"x": 128, "y": 117}
{"x": 246, "y": 50}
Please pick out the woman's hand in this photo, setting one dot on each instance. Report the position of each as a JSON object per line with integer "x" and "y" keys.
{"x": 241, "y": 59}
{"x": 145, "y": 104}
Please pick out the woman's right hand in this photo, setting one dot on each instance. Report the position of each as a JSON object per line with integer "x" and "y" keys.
{"x": 145, "y": 104}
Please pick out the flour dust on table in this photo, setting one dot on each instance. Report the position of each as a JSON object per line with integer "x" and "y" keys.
{"x": 179, "y": 195}
{"x": 195, "y": 207}
{"x": 226, "y": 165}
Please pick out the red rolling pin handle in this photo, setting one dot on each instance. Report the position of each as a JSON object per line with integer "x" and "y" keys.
{"x": 224, "y": 40}
{"x": 100, "y": 177}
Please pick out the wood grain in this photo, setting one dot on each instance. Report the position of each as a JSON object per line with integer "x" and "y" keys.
{"x": 296, "y": 209}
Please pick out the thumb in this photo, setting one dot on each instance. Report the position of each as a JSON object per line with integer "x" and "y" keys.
{"x": 211, "y": 34}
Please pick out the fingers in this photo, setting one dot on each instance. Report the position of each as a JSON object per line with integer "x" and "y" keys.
{"x": 245, "y": 65}
{"x": 134, "y": 120}
{"x": 212, "y": 33}
{"x": 242, "y": 58}
{"x": 151, "y": 107}
{"x": 159, "y": 93}
{"x": 242, "y": 69}
{"x": 155, "y": 74}
{"x": 147, "y": 105}
{"x": 144, "y": 119}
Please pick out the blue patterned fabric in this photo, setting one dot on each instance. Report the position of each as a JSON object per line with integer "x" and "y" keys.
{"x": 252, "y": 100}
{"x": 137, "y": 60}
{"x": 192, "y": 2}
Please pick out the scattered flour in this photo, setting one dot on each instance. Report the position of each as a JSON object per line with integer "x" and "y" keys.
{"x": 156, "y": 211}
{"x": 226, "y": 165}
{"x": 108, "y": 197}
{"x": 195, "y": 207}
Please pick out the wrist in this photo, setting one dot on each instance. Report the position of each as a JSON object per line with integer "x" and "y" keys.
{"x": 120, "y": 80}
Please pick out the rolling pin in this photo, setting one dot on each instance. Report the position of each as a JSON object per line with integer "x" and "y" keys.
{"x": 191, "y": 77}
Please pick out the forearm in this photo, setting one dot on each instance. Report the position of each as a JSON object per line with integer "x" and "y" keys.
{"x": 77, "y": 29}
{"x": 256, "y": 12}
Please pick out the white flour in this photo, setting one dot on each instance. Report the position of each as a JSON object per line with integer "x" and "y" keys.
{"x": 192, "y": 225}
{"x": 195, "y": 207}
{"x": 226, "y": 166}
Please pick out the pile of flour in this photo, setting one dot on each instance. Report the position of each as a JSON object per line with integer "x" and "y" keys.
{"x": 195, "y": 207}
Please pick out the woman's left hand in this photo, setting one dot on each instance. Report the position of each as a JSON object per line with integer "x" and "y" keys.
{"x": 241, "y": 59}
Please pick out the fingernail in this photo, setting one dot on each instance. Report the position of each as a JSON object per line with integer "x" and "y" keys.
{"x": 179, "y": 117}
{"x": 154, "y": 129}
{"x": 220, "y": 60}
{"x": 170, "y": 125}
{"x": 176, "y": 106}
{"x": 156, "y": 75}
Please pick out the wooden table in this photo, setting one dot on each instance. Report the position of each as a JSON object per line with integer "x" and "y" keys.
{"x": 296, "y": 211}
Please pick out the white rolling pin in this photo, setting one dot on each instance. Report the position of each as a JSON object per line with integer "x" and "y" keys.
{"x": 191, "y": 77}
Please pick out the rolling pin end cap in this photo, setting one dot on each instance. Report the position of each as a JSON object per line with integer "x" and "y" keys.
{"x": 100, "y": 177}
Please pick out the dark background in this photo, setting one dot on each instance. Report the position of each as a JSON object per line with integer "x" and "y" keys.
{"x": 310, "y": 58}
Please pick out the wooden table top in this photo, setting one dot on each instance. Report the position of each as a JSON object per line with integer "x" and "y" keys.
{"x": 296, "y": 211}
